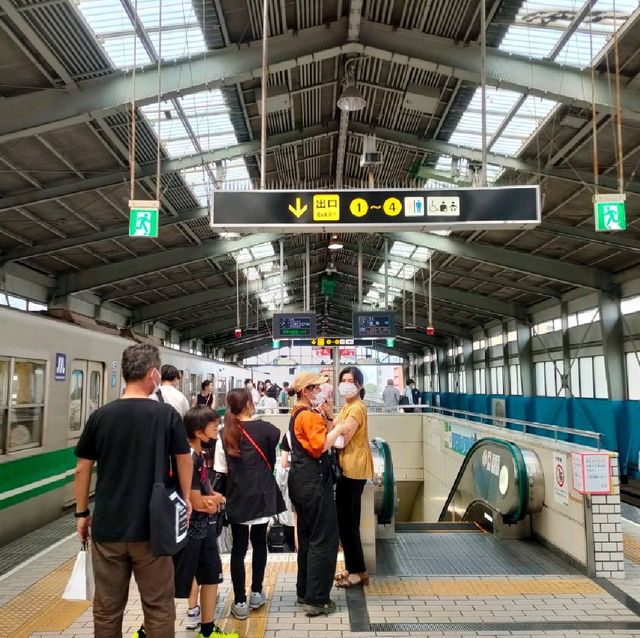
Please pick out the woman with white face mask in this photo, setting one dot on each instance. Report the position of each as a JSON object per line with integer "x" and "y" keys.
{"x": 357, "y": 466}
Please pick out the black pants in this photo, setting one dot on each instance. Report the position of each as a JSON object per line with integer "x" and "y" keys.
{"x": 348, "y": 504}
{"x": 241, "y": 534}
{"x": 317, "y": 538}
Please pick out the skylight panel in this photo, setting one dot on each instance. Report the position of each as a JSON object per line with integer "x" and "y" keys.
{"x": 178, "y": 43}
{"x": 272, "y": 295}
{"x": 197, "y": 179}
{"x": 577, "y": 50}
{"x": 244, "y": 256}
{"x": 401, "y": 249}
{"x": 530, "y": 42}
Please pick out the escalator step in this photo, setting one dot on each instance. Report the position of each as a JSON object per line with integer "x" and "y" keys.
{"x": 437, "y": 527}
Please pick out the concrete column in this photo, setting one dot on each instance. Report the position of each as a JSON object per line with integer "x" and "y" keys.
{"x": 613, "y": 345}
{"x": 487, "y": 364}
{"x": 525, "y": 358}
{"x": 467, "y": 355}
{"x": 506, "y": 377}
{"x": 441, "y": 355}
{"x": 566, "y": 349}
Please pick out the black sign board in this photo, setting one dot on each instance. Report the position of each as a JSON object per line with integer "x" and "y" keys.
{"x": 329, "y": 342}
{"x": 374, "y": 325}
{"x": 296, "y": 325}
{"x": 440, "y": 209}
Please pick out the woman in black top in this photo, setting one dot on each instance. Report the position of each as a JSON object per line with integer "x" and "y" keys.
{"x": 205, "y": 397}
{"x": 246, "y": 453}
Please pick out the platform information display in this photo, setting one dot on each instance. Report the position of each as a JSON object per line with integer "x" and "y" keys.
{"x": 294, "y": 326}
{"x": 374, "y": 325}
{"x": 441, "y": 209}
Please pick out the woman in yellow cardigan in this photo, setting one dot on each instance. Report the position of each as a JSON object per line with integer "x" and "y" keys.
{"x": 357, "y": 466}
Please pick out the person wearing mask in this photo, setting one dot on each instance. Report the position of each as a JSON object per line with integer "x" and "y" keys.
{"x": 168, "y": 391}
{"x": 246, "y": 453}
{"x": 390, "y": 396}
{"x": 255, "y": 395}
{"x": 205, "y": 397}
{"x": 311, "y": 491}
{"x": 283, "y": 397}
{"x": 120, "y": 438}
{"x": 357, "y": 466}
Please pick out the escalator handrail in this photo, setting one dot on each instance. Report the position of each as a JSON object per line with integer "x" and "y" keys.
{"x": 388, "y": 492}
{"x": 522, "y": 475}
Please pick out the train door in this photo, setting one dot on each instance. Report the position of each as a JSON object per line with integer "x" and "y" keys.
{"x": 222, "y": 392}
{"x": 86, "y": 393}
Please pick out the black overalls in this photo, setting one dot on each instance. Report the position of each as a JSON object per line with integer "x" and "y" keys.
{"x": 311, "y": 492}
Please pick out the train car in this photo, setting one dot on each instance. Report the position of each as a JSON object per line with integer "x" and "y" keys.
{"x": 53, "y": 375}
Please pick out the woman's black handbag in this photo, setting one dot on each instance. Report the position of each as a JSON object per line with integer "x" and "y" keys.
{"x": 334, "y": 466}
{"x": 167, "y": 510}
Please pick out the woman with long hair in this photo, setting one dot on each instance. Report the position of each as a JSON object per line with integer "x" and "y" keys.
{"x": 205, "y": 397}
{"x": 246, "y": 453}
{"x": 357, "y": 466}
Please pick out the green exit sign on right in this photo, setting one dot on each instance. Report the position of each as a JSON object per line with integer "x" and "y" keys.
{"x": 609, "y": 212}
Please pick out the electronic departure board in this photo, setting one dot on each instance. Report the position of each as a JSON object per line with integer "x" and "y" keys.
{"x": 297, "y": 325}
{"x": 374, "y": 325}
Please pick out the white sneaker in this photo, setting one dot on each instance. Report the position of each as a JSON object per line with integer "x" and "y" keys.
{"x": 240, "y": 611}
{"x": 257, "y": 599}
{"x": 192, "y": 619}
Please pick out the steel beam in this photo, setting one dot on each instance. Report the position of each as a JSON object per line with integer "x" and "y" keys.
{"x": 544, "y": 78}
{"x": 167, "y": 166}
{"x": 128, "y": 269}
{"x": 41, "y": 112}
{"x": 552, "y": 269}
{"x": 613, "y": 346}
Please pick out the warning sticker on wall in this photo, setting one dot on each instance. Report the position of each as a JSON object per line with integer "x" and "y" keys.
{"x": 560, "y": 482}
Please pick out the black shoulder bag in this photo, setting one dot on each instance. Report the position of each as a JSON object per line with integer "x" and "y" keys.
{"x": 167, "y": 510}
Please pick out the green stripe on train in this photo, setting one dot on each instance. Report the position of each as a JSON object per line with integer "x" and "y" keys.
{"x": 14, "y": 474}
{"x": 43, "y": 489}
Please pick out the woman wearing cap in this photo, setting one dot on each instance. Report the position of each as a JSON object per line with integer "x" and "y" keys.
{"x": 357, "y": 466}
{"x": 311, "y": 491}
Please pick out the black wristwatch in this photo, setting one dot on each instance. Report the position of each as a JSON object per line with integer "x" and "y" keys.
{"x": 84, "y": 514}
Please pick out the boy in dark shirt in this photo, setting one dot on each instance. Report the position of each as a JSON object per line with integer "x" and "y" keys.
{"x": 200, "y": 558}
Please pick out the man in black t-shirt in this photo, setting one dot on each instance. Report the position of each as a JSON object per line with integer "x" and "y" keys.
{"x": 120, "y": 437}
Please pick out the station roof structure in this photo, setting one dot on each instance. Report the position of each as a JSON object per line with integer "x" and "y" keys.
{"x": 66, "y": 94}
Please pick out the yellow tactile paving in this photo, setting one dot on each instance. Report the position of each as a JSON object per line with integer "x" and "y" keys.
{"x": 40, "y": 607}
{"x": 631, "y": 547}
{"x": 483, "y": 587}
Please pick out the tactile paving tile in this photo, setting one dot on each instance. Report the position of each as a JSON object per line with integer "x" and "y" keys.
{"x": 464, "y": 554}
{"x": 483, "y": 587}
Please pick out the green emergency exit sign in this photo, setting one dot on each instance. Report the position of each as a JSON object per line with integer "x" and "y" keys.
{"x": 143, "y": 218}
{"x": 609, "y": 212}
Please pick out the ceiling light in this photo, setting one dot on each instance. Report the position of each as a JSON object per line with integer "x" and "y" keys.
{"x": 227, "y": 235}
{"x": 351, "y": 99}
{"x": 335, "y": 244}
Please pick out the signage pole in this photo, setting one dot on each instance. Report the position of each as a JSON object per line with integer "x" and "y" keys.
{"x": 281, "y": 275}
{"x": 386, "y": 274}
{"x": 359, "y": 273}
{"x": 483, "y": 85}
{"x": 308, "y": 275}
{"x": 264, "y": 80}
{"x": 336, "y": 372}
{"x": 413, "y": 298}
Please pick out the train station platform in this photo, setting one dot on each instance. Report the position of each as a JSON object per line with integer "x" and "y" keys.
{"x": 432, "y": 583}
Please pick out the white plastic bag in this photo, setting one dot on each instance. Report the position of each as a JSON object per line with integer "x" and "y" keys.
{"x": 81, "y": 585}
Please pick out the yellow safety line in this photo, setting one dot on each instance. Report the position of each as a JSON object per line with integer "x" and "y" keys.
{"x": 482, "y": 587}
{"x": 42, "y": 607}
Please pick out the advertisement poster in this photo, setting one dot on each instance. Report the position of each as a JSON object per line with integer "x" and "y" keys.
{"x": 560, "y": 479}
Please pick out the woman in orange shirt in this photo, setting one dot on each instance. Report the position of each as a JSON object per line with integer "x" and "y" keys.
{"x": 357, "y": 466}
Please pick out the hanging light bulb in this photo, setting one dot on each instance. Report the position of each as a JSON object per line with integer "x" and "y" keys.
{"x": 335, "y": 243}
{"x": 351, "y": 99}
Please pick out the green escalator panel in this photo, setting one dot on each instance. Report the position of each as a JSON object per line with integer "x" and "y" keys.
{"x": 493, "y": 476}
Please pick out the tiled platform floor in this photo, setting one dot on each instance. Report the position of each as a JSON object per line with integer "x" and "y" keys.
{"x": 522, "y": 603}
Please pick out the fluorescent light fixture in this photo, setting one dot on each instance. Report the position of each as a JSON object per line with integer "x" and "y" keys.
{"x": 335, "y": 243}
{"x": 228, "y": 235}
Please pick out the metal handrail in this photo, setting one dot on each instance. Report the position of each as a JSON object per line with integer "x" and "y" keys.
{"x": 544, "y": 426}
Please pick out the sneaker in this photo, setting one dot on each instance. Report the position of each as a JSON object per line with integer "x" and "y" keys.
{"x": 257, "y": 599}
{"x": 240, "y": 611}
{"x": 218, "y": 633}
{"x": 139, "y": 634}
{"x": 192, "y": 619}
{"x": 319, "y": 610}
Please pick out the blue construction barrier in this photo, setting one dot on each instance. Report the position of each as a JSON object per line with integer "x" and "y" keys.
{"x": 617, "y": 421}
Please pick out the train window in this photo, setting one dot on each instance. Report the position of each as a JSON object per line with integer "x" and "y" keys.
{"x": 26, "y": 404}
{"x": 95, "y": 392}
{"x": 4, "y": 400}
{"x": 222, "y": 392}
{"x": 75, "y": 401}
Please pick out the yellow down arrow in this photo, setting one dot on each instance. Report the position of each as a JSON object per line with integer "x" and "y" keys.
{"x": 299, "y": 210}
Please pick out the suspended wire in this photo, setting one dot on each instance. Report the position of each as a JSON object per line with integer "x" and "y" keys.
{"x": 594, "y": 125}
{"x": 159, "y": 135}
{"x": 618, "y": 103}
{"x": 132, "y": 146}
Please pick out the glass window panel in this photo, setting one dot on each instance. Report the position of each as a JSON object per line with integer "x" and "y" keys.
{"x": 575, "y": 378}
{"x": 540, "y": 379}
{"x": 549, "y": 379}
{"x": 35, "y": 306}
{"x": 586, "y": 376}
{"x": 75, "y": 400}
{"x": 17, "y": 302}
{"x": 95, "y": 392}
{"x": 600, "y": 378}
{"x": 25, "y": 428}
{"x": 633, "y": 375}
{"x": 5, "y": 365}
{"x": 630, "y": 305}
{"x": 28, "y": 382}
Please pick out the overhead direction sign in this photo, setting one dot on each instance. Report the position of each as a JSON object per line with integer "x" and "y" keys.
{"x": 438, "y": 209}
{"x": 330, "y": 342}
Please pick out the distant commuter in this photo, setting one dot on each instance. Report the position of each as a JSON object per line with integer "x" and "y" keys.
{"x": 417, "y": 396}
{"x": 168, "y": 391}
{"x": 255, "y": 395}
{"x": 283, "y": 397}
{"x": 246, "y": 453}
{"x": 390, "y": 396}
{"x": 407, "y": 396}
{"x": 121, "y": 438}
{"x": 357, "y": 466}
{"x": 311, "y": 492}
{"x": 205, "y": 397}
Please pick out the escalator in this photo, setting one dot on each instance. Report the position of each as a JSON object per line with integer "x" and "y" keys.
{"x": 497, "y": 479}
